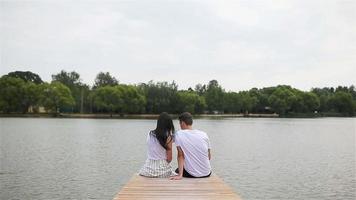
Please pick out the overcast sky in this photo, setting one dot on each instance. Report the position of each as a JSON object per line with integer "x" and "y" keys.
{"x": 242, "y": 44}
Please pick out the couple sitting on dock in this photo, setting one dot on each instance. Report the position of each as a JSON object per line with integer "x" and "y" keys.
{"x": 193, "y": 148}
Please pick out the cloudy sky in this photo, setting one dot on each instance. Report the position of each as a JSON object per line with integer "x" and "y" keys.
{"x": 242, "y": 44}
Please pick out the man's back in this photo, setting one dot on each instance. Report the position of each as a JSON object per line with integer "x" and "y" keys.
{"x": 195, "y": 145}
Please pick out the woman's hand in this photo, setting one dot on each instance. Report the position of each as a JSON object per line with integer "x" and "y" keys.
{"x": 175, "y": 178}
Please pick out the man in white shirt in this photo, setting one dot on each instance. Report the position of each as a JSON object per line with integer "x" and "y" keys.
{"x": 193, "y": 148}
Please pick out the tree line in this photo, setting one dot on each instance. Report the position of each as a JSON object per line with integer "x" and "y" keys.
{"x": 25, "y": 91}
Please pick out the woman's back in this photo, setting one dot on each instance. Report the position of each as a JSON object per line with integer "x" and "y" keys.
{"x": 155, "y": 151}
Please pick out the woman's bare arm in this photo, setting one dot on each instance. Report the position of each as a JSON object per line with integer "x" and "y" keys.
{"x": 169, "y": 149}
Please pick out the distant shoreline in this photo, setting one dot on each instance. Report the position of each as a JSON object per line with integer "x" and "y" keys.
{"x": 129, "y": 116}
{"x": 154, "y": 116}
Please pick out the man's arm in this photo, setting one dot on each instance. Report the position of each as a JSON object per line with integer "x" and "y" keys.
{"x": 180, "y": 159}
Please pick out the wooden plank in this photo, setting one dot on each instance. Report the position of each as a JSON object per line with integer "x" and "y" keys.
{"x": 140, "y": 187}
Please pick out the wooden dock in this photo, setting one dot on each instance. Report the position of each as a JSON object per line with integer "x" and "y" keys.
{"x": 140, "y": 187}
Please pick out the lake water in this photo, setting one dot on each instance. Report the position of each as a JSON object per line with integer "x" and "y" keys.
{"x": 258, "y": 158}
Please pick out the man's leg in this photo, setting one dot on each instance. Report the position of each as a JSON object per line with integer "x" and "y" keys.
{"x": 205, "y": 176}
{"x": 185, "y": 173}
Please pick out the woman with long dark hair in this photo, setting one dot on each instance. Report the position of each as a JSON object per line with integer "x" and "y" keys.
{"x": 159, "y": 153}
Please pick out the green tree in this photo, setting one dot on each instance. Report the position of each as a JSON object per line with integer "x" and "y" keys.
{"x": 69, "y": 79}
{"x": 324, "y": 95}
{"x": 31, "y": 98}
{"x": 248, "y": 102}
{"x": 160, "y": 96}
{"x": 104, "y": 79}
{"x": 311, "y": 101}
{"x": 27, "y": 76}
{"x": 352, "y": 90}
{"x": 54, "y": 96}
{"x": 85, "y": 99}
{"x": 342, "y": 102}
{"x": 119, "y": 99}
{"x": 108, "y": 99}
{"x": 232, "y": 102}
{"x": 214, "y": 96}
{"x": 79, "y": 91}
{"x": 282, "y": 99}
{"x": 200, "y": 89}
{"x": 133, "y": 100}
{"x": 11, "y": 94}
{"x": 189, "y": 101}
{"x": 298, "y": 104}
{"x": 261, "y": 96}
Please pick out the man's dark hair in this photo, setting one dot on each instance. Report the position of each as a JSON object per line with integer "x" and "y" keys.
{"x": 186, "y": 117}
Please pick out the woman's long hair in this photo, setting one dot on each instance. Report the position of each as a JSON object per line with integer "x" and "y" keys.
{"x": 164, "y": 129}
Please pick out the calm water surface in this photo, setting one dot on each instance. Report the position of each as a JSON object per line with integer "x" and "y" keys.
{"x": 259, "y": 158}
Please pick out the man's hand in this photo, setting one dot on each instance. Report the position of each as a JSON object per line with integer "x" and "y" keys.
{"x": 176, "y": 177}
